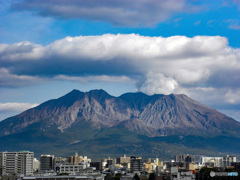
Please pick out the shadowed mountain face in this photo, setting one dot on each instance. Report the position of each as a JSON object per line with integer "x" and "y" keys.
{"x": 96, "y": 116}
{"x": 155, "y": 115}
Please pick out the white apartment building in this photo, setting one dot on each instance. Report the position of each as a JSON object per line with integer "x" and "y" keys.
{"x": 16, "y": 162}
{"x": 228, "y": 160}
{"x": 216, "y": 161}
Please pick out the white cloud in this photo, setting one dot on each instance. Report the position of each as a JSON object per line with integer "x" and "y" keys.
{"x": 22, "y": 50}
{"x": 102, "y": 78}
{"x": 18, "y": 107}
{"x": 233, "y": 96}
{"x": 12, "y": 80}
{"x": 178, "y": 64}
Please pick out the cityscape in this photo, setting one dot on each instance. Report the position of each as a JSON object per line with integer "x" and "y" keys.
{"x": 24, "y": 166}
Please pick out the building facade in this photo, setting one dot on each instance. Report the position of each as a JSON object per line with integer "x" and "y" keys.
{"x": 16, "y": 163}
{"x": 228, "y": 160}
{"x": 136, "y": 164}
{"x": 184, "y": 158}
{"x": 46, "y": 162}
{"x": 212, "y": 161}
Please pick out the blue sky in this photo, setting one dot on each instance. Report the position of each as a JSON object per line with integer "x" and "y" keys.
{"x": 48, "y": 48}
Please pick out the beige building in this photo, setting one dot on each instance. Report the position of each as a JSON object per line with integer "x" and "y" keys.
{"x": 75, "y": 160}
{"x": 124, "y": 159}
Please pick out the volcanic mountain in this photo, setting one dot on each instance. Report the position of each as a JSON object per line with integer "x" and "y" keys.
{"x": 79, "y": 120}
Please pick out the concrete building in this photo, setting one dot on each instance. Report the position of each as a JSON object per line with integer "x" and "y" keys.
{"x": 183, "y": 175}
{"x": 73, "y": 169}
{"x": 46, "y": 162}
{"x": 78, "y": 159}
{"x": 16, "y": 163}
{"x": 228, "y": 160}
{"x": 97, "y": 165}
{"x": 60, "y": 160}
{"x": 215, "y": 161}
{"x": 184, "y": 158}
{"x": 123, "y": 159}
{"x": 136, "y": 164}
{"x": 149, "y": 167}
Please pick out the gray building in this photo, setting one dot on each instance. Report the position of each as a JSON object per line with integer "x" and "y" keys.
{"x": 73, "y": 169}
{"x": 184, "y": 158}
{"x": 46, "y": 162}
{"x": 136, "y": 164}
{"x": 228, "y": 160}
{"x": 16, "y": 163}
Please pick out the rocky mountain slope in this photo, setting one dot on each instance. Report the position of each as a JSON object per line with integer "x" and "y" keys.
{"x": 97, "y": 124}
{"x": 155, "y": 115}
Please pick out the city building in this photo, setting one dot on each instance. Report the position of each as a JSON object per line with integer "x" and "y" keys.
{"x": 212, "y": 161}
{"x": 97, "y": 165}
{"x": 124, "y": 159}
{"x": 228, "y": 160}
{"x": 46, "y": 162}
{"x": 16, "y": 163}
{"x": 73, "y": 169}
{"x": 60, "y": 160}
{"x": 78, "y": 159}
{"x": 184, "y": 158}
{"x": 136, "y": 164}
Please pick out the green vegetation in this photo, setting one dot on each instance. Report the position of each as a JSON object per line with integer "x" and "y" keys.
{"x": 136, "y": 177}
{"x": 64, "y": 174}
{"x": 113, "y": 142}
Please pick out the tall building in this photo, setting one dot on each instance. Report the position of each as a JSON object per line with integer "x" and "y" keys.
{"x": 76, "y": 160}
{"x": 46, "y": 162}
{"x": 16, "y": 163}
{"x": 136, "y": 164}
{"x": 184, "y": 158}
{"x": 228, "y": 160}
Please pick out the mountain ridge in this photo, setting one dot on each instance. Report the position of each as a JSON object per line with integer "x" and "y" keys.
{"x": 159, "y": 112}
{"x": 98, "y": 125}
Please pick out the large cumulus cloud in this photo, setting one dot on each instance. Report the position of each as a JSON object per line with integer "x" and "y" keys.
{"x": 117, "y": 12}
{"x": 196, "y": 66}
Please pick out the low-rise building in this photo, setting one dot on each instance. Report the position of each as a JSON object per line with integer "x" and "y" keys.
{"x": 73, "y": 169}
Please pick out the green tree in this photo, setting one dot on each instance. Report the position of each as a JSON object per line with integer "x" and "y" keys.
{"x": 152, "y": 176}
{"x": 136, "y": 177}
{"x": 64, "y": 174}
{"x": 109, "y": 177}
{"x": 117, "y": 176}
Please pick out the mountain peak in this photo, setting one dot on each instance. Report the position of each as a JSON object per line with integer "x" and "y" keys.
{"x": 161, "y": 112}
{"x": 96, "y": 115}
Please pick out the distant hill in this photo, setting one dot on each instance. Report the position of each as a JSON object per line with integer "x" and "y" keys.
{"x": 97, "y": 124}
